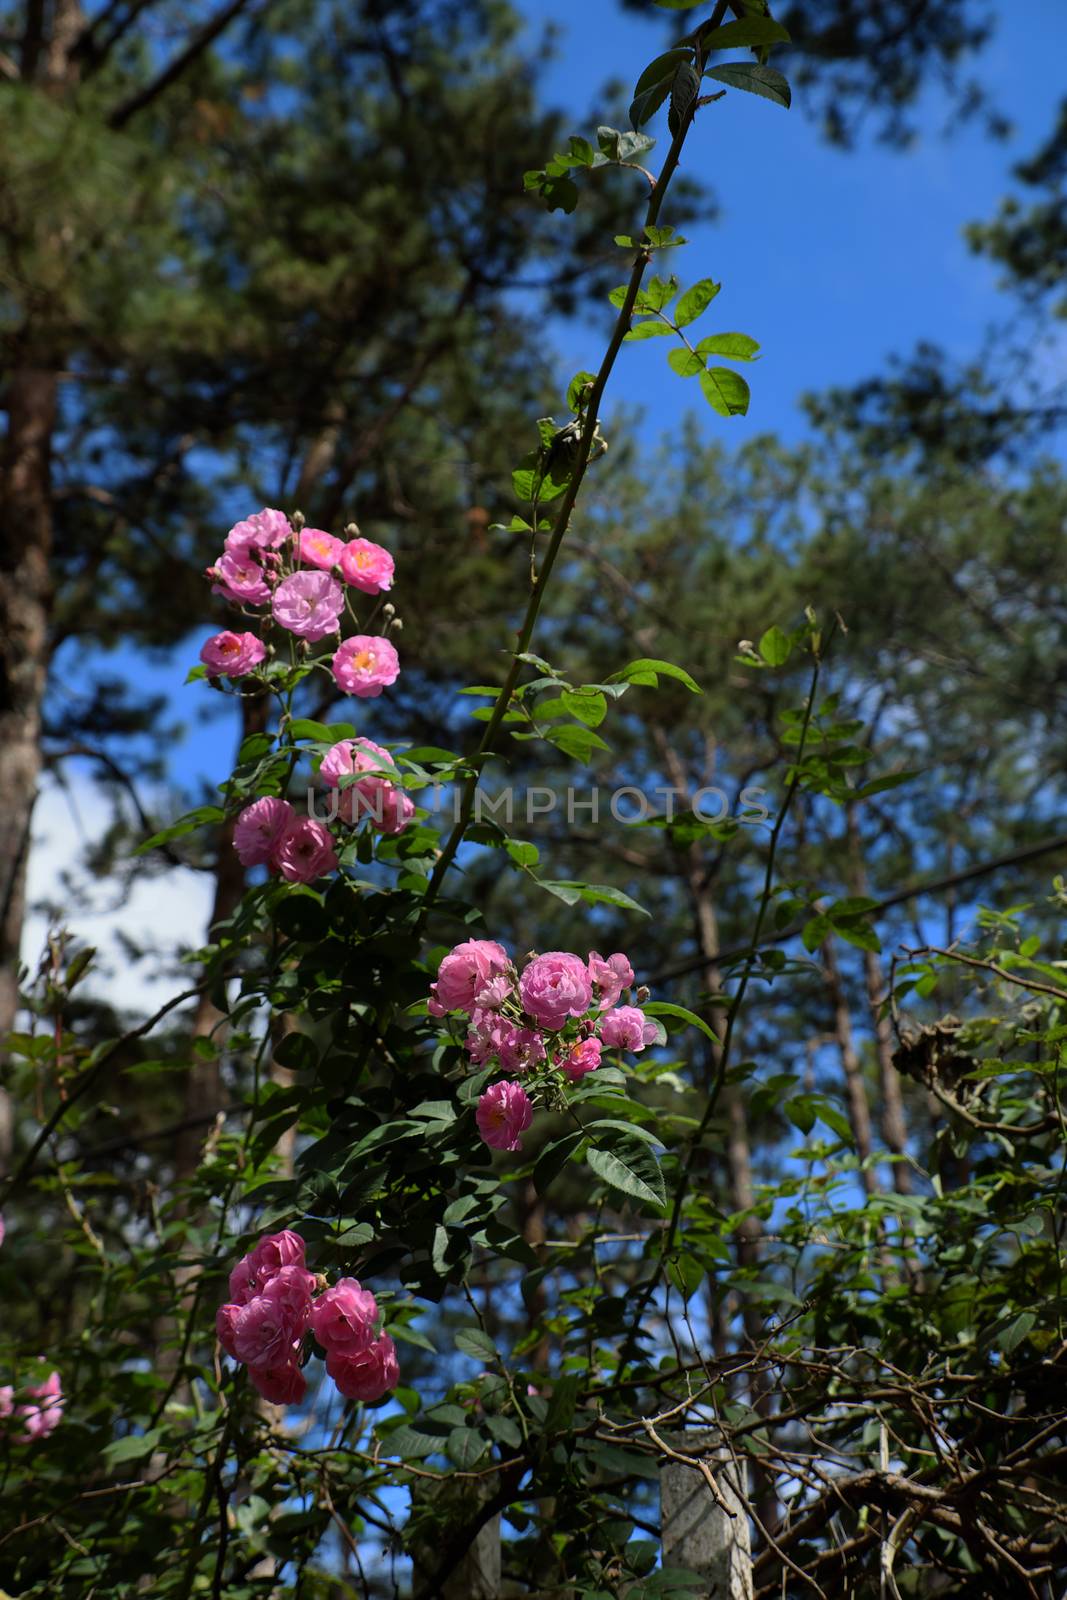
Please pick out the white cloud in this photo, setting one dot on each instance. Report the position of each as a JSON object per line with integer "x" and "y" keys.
{"x": 160, "y": 912}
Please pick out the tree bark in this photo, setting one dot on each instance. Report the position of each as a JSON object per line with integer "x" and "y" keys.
{"x": 893, "y": 1120}
{"x": 859, "y": 1111}
{"x": 25, "y": 600}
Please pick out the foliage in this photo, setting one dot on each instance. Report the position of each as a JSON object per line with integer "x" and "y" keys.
{"x": 883, "y": 1360}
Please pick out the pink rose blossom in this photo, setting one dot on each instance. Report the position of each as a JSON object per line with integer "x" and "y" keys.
{"x": 517, "y": 1049}
{"x": 225, "y": 1325}
{"x": 367, "y": 1375}
{"x": 318, "y": 549}
{"x": 305, "y": 851}
{"x": 367, "y": 566}
{"x": 374, "y": 797}
{"x": 556, "y": 986}
{"x": 351, "y": 758}
{"x": 582, "y": 1058}
{"x": 609, "y": 978}
{"x": 40, "y": 1418}
{"x": 275, "y": 1251}
{"x": 504, "y": 1112}
{"x": 365, "y": 665}
{"x": 270, "y": 1327}
{"x": 260, "y": 829}
{"x": 343, "y": 1318}
{"x": 243, "y": 1284}
{"x": 309, "y": 604}
{"x": 627, "y": 1028}
{"x": 240, "y": 580}
{"x": 385, "y": 806}
{"x": 464, "y": 973}
{"x": 232, "y": 653}
{"x": 283, "y": 1385}
{"x": 266, "y": 530}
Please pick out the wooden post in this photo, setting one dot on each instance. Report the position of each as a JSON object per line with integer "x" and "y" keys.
{"x": 696, "y": 1532}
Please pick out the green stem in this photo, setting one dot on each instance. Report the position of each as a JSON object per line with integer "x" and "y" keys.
{"x": 696, "y": 1138}
{"x": 559, "y": 528}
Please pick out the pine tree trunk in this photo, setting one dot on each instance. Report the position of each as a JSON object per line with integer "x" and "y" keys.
{"x": 25, "y": 597}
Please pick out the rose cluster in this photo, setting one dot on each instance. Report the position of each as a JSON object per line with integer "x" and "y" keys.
{"x": 274, "y": 1302}
{"x": 39, "y": 1413}
{"x": 302, "y": 575}
{"x": 550, "y": 1023}
{"x": 42, "y": 1408}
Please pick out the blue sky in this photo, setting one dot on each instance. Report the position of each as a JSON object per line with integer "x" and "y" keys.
{"x": 835, "y": 261}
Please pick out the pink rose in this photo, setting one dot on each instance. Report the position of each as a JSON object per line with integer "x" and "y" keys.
{"x": 582, "y": 1058}
{"x": 225, "y": 1327}
{"x": 365, "y": 665}
{"x": 260, "y": 829}
{"x": 517, "y": 1049}
{"x": 240, "y": 580}
{"x": 3, "y": 1230}
{"x": 283, "y": 1385}
{"x": 367, "y": 1375}
{"x": 39, "y": 1419}
{"x": 309, "y": 604}
{"x": 275, "y": 1251}
{"x": 305, "y": 851}
{"x": 504, "y": 1112}
{"x": 609, "y": 978}
{"x": 343, "y": 1318}
{"x": 318, "y": 549}
{"x": 243, "y": 1283}
{"x": 266, "y": 530}
{"x": 385, "y": 806}
{"x": 627, "y": 1028}
{"x": 270, "y": 1327}
{"x": 366, "y": 566}
{"x": 374, "y": 797}
{"x": 464, "y": 973}
{"x": 556, "y": 986}
{"x": 351, "y": 758}
{"x": 232, "y": 653}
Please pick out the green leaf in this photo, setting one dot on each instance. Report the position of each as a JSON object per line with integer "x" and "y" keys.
{"x": 685, "y": 363}
{"x": 648, "y": 670}
{"x": 465, "y": 1447}
{"x": 622, "y": 146}
{"x": 186, "y": 824}
{"x": 554, "y": 1158}
{"x": 653, "y": 329}
{"x": 657, "y": 294}
{"x": 664, "y": 1008}
{"x": 774, "y": 647}
{"x": 560, "y": 1413}
{"x": 577, "y": 387}
{"x": 734, "y": 346}
{"x": 1017, "y": 1332}
{"x": 632, "y": 1169}
{"x": 473, "y": 1342}
{"x": 576, "y": 740}
{"x": 752, "y": 31}
{"x": 593, "y": 893}
{"x": 725, "y": 391}
{"x": 695, "y": 300}
{"x": 522, "y": 853}
{"x": 654, "y": 85}
{"x": 756, "y": 79}
{"x": 589, "y": 708}
{"x": 134, "y": 1447}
